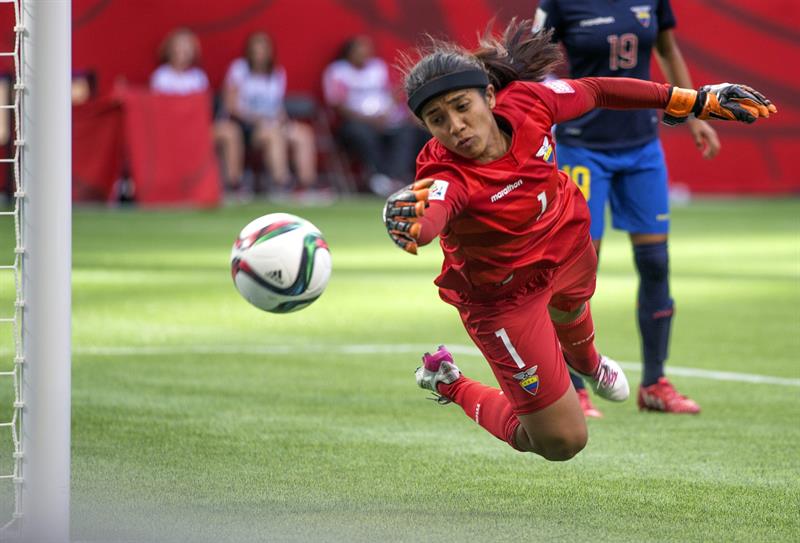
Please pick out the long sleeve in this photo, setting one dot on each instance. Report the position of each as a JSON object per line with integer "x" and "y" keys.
{"x": 432, "y": 223}
{"x": 571, "y": 98}
{"x": 448, "y": 197}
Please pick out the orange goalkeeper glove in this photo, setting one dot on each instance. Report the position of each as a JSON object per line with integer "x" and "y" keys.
{"x": 402, "y": 211}
{"x": 726, "y": 101}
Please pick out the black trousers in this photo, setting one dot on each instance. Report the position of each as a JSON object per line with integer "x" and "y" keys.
{"x": 391, "y": 151}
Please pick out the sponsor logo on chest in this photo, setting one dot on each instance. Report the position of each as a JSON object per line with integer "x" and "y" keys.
{"x": 597, "y": 21}
{"x": 504, "y": 191}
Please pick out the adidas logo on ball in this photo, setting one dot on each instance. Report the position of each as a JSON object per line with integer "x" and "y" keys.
{"x": 280, "y": 263}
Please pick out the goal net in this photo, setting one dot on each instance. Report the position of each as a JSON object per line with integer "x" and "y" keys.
{"x": 11, "y": 86}
{"x": 35, "y": 272}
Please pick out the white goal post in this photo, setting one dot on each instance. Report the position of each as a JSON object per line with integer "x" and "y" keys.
{"x": 43, "y": 262}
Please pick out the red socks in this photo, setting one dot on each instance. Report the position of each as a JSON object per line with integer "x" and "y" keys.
{"x": 485, "y": 405}
{"x": 577, "y": 342}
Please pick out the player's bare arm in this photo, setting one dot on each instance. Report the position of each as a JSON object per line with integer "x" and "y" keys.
{"x": 675, "y": 69}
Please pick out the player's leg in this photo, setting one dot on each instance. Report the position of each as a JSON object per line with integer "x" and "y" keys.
{"x": 523, "y": 351}
{"x": 573, "y": 285}
{"x": 589, "y": 170}
{"x": 543, "y": 432}
{"x": 640, "y": 205}
{"x": 526, "y": 358}
{"x": 556, "y": 432}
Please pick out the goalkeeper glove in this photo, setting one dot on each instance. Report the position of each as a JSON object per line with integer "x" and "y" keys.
{"x": 402, "y": 211}
{"x": 726, "y": 101}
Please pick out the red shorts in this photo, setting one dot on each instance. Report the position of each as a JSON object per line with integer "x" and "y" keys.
{"x": 517, "y": 337}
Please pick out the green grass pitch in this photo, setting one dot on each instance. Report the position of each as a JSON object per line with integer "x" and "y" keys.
{"x": 197, "y": 417}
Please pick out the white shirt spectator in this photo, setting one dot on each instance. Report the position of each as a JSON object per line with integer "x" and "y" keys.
{"x": 363, "y": 90}
{"x": 258, "y": 94}
{"x": 167, "y": 80}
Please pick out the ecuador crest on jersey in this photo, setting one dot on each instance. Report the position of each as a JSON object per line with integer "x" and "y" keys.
{"x": 545, "y": 152}
{"x": 528, "y": 380}
{"x": 642, "y": 14}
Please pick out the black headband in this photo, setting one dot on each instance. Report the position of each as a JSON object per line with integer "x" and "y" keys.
{"x": 446, "y": 83}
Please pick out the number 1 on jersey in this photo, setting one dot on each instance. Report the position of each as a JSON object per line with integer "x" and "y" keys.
{"x": 502, "y": 334}
{"x": 542, "y": 197}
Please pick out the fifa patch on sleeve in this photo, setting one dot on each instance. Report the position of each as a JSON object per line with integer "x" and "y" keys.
{"x": 559, "y": 86}
{"x": 438, "y": 190}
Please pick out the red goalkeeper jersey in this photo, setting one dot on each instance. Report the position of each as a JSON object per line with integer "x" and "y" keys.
{"x": 518, "y": 211}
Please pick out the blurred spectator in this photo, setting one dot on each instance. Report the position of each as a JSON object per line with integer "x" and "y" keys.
{"x": 373, "y": 126}
{"x": 84, "y": 87}
{"x": 179, "y": 73}
{"x": 253, "y": 99}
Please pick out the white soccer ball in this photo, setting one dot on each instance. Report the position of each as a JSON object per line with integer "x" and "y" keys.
{"x": 280, "y": 263}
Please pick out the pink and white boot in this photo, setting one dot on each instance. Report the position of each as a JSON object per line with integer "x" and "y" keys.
{"x": 437, "y": 368}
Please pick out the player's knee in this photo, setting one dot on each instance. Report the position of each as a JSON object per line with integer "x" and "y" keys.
{"x": 558, "y": 448}
{"x": 564, "y": 449}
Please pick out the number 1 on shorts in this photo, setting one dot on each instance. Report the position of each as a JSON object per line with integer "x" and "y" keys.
{"x": 502, "y": 334}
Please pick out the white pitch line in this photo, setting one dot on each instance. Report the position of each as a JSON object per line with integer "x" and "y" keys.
{"x": 371, "y": 349}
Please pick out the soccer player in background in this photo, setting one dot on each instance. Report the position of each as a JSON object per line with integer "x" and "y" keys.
{"x": 519, "y": 264}
{"x": 616, "y": 156}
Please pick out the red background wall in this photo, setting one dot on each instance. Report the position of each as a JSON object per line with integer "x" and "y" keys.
{"x": 722, "y": 40}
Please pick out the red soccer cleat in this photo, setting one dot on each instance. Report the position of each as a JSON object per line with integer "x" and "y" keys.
{"x": 589, "y": 410}
{"x": 663, "y": 397}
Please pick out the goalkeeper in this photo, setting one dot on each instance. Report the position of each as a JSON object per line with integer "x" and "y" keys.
{"x": 519, "y": 265}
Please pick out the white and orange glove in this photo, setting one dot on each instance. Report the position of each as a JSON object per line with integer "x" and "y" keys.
{"x": 725, "y": 101}
{"x": 402, "y": 212}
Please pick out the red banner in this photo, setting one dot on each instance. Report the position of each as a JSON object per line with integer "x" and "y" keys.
{"x": 97, "y": 138}
{"x": 170, "y": 147}
{"x": 752, "y": 42}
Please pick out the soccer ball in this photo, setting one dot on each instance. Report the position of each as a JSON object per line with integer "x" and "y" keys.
{"x": 280, "y": 263}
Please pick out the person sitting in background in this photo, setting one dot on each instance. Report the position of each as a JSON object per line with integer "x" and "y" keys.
{"x": 83, "y": 88}
{"x": 253, "y": 99}
{"x": 373, "y": 126}
{"x": 179, "y": 72}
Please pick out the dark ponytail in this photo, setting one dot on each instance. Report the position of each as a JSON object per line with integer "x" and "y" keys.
{"x": 519, "y": 54}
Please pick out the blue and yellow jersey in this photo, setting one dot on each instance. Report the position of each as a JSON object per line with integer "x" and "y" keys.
{"x": 607, "y": 38}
